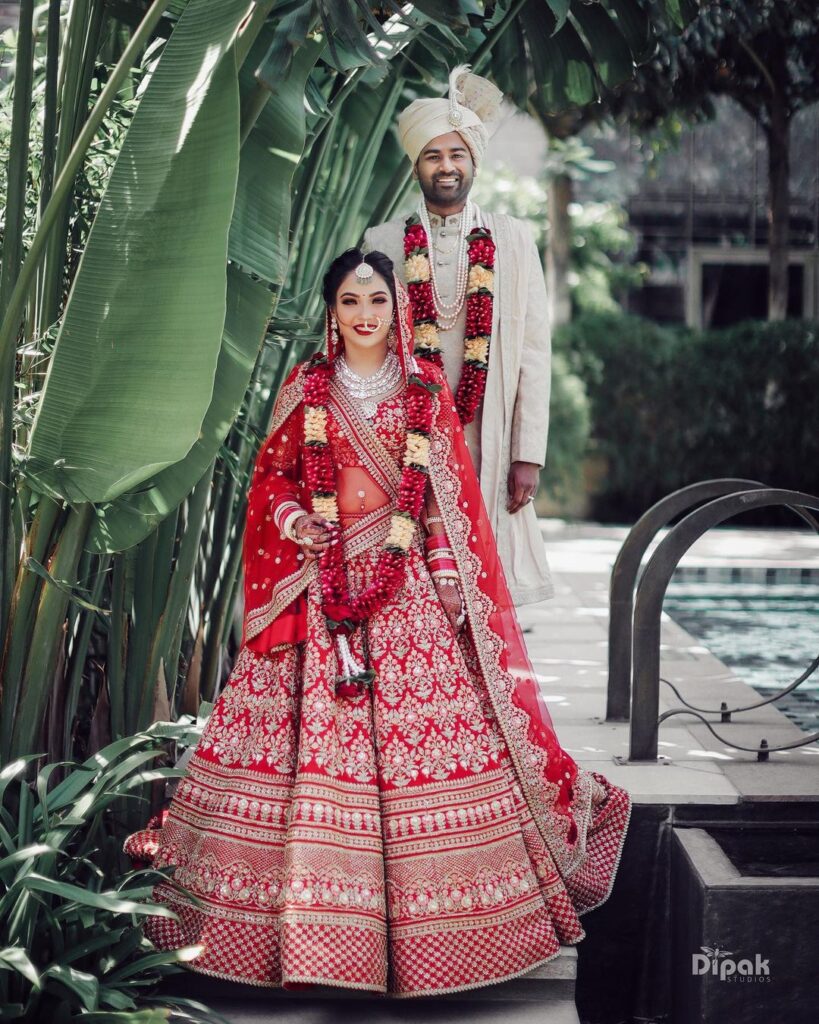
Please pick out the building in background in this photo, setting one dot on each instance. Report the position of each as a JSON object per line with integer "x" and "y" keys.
{"x": 700, "y": 217}
{"x": 698, "y": 212}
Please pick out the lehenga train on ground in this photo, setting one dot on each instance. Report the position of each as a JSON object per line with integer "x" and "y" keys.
{"x": 428, "y": 835}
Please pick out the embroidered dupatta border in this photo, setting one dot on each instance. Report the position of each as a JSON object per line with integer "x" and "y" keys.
{"x": 529, "y": 758}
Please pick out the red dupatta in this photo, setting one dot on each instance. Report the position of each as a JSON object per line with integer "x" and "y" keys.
{"x": 560, "y": 796}
{"x": 275, "y": 571}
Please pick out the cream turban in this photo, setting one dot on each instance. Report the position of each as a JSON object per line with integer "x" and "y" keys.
{"x": 472, "y": 109}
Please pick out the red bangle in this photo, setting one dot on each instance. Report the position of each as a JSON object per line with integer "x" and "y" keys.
{"x": 436, "y": 540}
{"x": 282, "y": 508}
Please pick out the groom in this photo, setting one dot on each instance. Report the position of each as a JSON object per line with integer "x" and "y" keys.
{"x": 492, "y": 329}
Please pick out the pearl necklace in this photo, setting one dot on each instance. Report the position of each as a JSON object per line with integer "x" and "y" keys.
{"x": 448, "y": 312}
{"x": 368, "y": 390}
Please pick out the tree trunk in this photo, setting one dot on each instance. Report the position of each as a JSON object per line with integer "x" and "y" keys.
{"x": 557, "y": 252}
{"x": 778, "y": 207}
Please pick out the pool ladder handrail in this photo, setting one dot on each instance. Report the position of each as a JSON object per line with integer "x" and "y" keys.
{"x": 634, "y": 628}
{"x": 624, "y": 575}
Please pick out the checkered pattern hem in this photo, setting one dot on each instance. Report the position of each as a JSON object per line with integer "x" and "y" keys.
{"x": 274, "y": 953}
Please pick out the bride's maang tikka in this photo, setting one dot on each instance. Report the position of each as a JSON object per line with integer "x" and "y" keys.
{"x": 363, "y": 272}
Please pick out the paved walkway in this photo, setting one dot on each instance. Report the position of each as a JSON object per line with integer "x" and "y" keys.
{"x": 567, "y": 641}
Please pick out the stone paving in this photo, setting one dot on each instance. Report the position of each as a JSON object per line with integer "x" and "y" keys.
{"x": 567, "y": 641}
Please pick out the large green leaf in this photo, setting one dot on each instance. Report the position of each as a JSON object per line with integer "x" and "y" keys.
{"x": 635, "y": 25}
{"x": 576, "y": 50}
{"x": 560, "y": 9}
{"x": 605, "y": 44}
{"x": 563, "y": 71}
{"x": 74, "y": 894}
{"x": 133, "y": 516}
{"x": 16, "y": 957}
{"x": 79, "y": 983}
{"x": 259, "y": 232}
{"x": 681, "y": 11}
{"x": 258, "y": 241}
{"x": 131, "y": 376}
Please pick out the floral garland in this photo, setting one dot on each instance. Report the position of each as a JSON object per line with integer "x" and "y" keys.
{"x": 479, "y": 302}
{"x": 344, "y": 613}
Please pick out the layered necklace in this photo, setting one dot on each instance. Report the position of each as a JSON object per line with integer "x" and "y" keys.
{"x": 474, "y": 285}
{"x": 368, "y": 391}
{"x": 343, "y": 613}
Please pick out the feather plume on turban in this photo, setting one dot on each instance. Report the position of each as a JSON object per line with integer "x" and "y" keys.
{"x": 472, "y": 109}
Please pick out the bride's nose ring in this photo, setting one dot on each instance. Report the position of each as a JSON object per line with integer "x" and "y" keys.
{"x": 373, "y": 327}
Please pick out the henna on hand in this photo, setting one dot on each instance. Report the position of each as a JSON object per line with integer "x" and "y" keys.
{"x": 318, "y": 529}
{"x": 451, "y": 600}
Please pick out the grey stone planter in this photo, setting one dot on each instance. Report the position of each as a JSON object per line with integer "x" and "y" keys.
{"x": 745, "y": 927}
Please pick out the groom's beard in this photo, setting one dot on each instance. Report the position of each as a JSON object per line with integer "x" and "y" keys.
{"x": 454, "y": 196}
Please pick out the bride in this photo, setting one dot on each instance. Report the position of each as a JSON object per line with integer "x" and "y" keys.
{"x": 379, "y": 800}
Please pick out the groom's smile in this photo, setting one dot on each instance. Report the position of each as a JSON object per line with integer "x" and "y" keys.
{"x": 445, "y": 170}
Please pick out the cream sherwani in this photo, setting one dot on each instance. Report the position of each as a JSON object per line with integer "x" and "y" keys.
{"x": 512, "y": 423}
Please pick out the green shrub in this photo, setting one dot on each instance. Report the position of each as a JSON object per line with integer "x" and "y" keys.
{"x": 569, "y": 425}
{"x": 671, "y": 406}
{"x": 70, "y": 944}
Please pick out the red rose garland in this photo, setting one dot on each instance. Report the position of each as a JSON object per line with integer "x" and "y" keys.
{"x": 479, "y": 302}
{"x": 343, "y": 612}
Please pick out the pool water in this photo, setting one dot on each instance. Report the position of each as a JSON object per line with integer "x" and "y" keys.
{"x": 768, "y": 633}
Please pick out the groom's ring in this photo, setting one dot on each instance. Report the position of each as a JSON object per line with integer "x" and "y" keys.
{"x": 530, "y": 498}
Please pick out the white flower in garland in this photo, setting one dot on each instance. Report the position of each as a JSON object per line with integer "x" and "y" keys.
{"x": 417, "y": 450}
{"x": 401, "y": 533}
{"x": 327, "y": 506}
{"x": 315, "y": 424}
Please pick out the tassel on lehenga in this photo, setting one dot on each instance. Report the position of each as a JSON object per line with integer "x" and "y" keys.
{"x": 355, "y": 677}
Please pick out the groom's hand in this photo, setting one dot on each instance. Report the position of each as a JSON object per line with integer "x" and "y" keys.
{"x": 522, "y": 483}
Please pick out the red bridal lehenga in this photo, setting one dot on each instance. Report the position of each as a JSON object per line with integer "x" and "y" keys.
{"x": 426, "y": 836}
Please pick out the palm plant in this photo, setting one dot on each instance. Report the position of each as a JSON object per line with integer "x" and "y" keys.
{"x": 195, "y": 155}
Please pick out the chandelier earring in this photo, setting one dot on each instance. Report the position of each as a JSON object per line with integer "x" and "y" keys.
{"x": 392, "y": 338}
{"x": 334, "y": 329}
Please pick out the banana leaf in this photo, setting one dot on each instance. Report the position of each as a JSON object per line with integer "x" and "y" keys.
{"x": 259, "y": 240}
{"x": 258, "y": 243}
{"x": 605, "y": 44}
{"x": 131, "y": 376}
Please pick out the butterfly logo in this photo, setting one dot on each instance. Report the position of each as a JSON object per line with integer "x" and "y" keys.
{"x": 716, "y": 953}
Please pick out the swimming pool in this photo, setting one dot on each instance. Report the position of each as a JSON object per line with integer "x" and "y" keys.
{"x": 768, "y": 633}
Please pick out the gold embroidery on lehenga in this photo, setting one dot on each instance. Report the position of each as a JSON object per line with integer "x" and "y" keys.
{"x": 329, "y": 840}
{"x": 366, "y": 532}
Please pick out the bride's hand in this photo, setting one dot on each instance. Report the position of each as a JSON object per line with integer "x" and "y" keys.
{"x": 313, "y": 534}
{"x": 450, "y": 598}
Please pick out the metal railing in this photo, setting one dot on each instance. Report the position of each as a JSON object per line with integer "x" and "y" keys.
{"x": 634, "y": 625}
